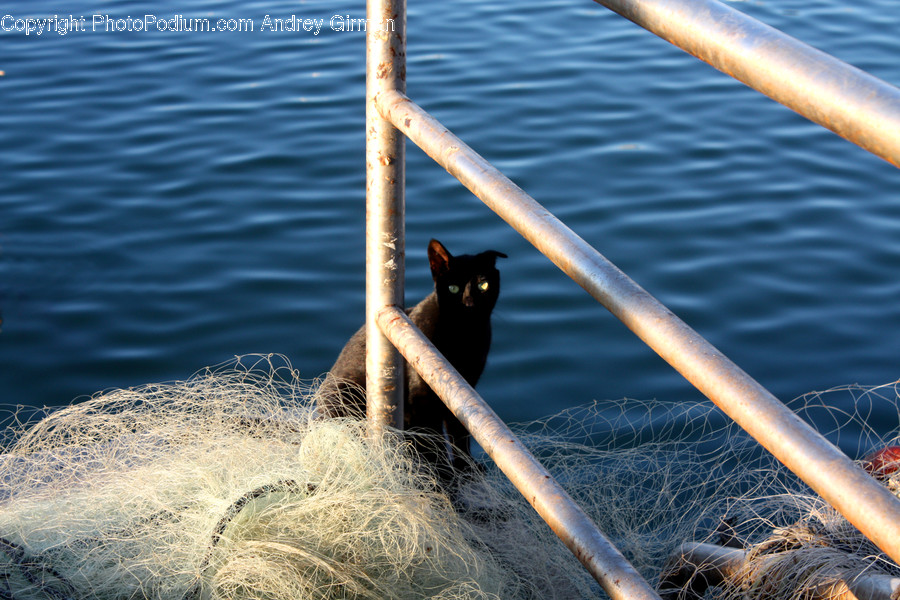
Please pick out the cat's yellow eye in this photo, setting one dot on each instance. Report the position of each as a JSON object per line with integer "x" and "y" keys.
{"x": 483, "y": 286}
{"x": 454, "y": 289}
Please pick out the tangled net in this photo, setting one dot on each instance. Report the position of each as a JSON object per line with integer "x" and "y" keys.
{"x": 227, "y": 486}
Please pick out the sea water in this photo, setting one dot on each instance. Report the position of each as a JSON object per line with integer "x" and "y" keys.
{"x": 184, "y": 182}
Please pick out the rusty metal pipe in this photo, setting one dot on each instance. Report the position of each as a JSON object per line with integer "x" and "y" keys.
{"x": 620, "y": 580}
{"x": 385, "y": 208}
{"x": 865, "y": 503}
{"x": 855, "y": 105}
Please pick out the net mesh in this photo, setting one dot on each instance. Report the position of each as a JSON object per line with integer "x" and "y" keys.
{"x": 227, "y": 486}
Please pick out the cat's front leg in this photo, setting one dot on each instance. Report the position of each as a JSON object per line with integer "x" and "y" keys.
{"x": 460, "y": 442}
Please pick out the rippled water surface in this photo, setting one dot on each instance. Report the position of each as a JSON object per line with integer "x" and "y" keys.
{"x": 172, "y": 199}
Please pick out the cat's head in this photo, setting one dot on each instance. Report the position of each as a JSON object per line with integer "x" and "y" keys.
{"x": 469, "y": 282}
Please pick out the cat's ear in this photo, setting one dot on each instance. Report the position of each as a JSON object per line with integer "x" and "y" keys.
{"x": 439, "y": 258}
{"x": 493, "y": 255}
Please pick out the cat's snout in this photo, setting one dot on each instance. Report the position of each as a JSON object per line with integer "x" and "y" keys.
{"x": 467, "y": 299}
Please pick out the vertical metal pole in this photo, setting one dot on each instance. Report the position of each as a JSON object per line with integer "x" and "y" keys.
{"x": 385, "y": 208}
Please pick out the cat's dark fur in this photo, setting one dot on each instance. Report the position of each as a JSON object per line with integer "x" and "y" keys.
{"x": 456, "y": 317}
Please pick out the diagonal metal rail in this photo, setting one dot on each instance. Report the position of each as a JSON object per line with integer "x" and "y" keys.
{"x": 577, "y": 531}
{"x": 855, "y": 105}
{"x": 856, "y": 495}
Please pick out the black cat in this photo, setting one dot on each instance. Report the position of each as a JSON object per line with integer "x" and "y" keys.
{"x": 456, "y": 317}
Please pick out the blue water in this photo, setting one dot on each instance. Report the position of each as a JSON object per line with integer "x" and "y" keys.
{"x": 172, "y": 199}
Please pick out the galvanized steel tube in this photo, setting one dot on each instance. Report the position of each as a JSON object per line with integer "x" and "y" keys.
{"x": 842, "y": 98}
{"x": 864, "y": 502}
{"x": 385, "y": 209}
{"x": 620, "y": 580}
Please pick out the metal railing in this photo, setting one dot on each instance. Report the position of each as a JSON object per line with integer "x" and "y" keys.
{"x": 837, "y": 96}
{"x": 851, "y": 103}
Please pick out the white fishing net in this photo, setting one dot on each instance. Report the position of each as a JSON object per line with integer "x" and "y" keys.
{"x": 227, "y": 486}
